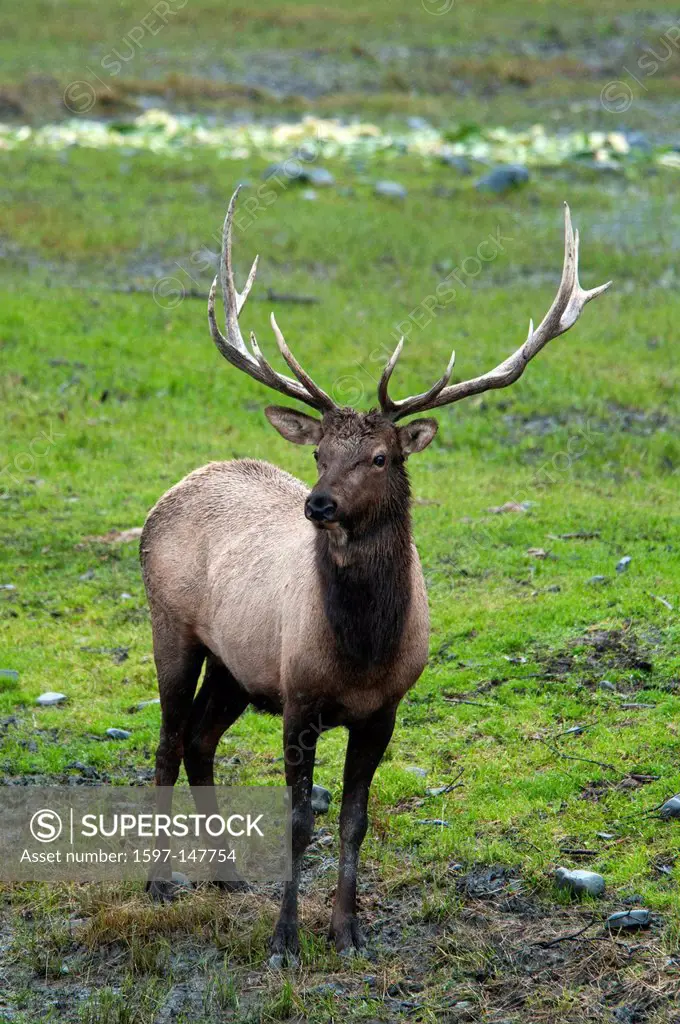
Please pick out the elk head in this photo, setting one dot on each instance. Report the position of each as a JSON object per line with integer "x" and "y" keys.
{"x": 361, "y": 456}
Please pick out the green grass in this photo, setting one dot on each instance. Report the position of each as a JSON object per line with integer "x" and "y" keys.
{"x": 107, "y": 398}
{"x": 133, "y": 396}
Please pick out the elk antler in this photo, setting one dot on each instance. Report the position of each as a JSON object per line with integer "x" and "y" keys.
{"x": 563, "y": 314}
{"x": 234, "y": 348}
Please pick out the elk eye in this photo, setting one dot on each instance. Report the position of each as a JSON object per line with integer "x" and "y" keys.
{"x": 316, "y": 455}
{"x": 379, "y": 460}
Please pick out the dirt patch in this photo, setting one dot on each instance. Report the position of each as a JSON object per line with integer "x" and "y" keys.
{"x": 497, "y": 953}
{"x": 596, "y": 789}
{"x": 598, "y": 652}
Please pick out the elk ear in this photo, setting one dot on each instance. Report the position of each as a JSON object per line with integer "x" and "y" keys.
{"x": 416, "y": 435}
{"x": 294, "y": 426}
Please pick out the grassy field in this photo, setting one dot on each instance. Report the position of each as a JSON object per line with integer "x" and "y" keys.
{"x": 107, "y": 397}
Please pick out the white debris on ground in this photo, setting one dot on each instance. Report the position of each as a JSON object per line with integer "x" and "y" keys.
{"x": 159, "y": 131}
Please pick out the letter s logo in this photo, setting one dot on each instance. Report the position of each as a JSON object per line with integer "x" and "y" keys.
{"x": 45, "y": 826}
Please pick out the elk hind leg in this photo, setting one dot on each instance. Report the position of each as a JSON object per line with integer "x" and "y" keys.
{"x": 179, "y": 659}
{"x": 220, "y": 701}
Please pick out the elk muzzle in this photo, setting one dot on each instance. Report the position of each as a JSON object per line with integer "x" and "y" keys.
{"x": 321, "y": 508}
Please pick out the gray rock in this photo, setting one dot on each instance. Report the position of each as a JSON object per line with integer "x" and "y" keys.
{"x": 321, "y": 800}
{"x": 318, "y": 177}
{"x": 604, "y": 684}
{"x": 671, "y": 809}
{"x": 420, "y": 772}
{"x": 9, "y": 673}
{"x": 597, "y": 579}
{"x": 623, "y": 563}
{"x": 390, "y": 189}
{"x": 87, "y": 575}
{"x": 638, "y": 140}
{"x": 47, "y": 700}
{"x": 147, "y": 703}
{"x": 417, "y": 124}
{"x": 181, "y": 881}
{"x": 118, "y": 734}
{"x": 459, "y": 163}
{"x": 629, "y": 920}
{"x": 85, "y": 769}
{"x": 7, "y": 586}
{"x": 582, "y": 883}
{"x": 290, "y": 170}
{"x": 309, "y": 194}
{"x": 503, "y": 179}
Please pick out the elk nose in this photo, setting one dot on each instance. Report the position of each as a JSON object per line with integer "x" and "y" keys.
{"x": 320, "y": 507}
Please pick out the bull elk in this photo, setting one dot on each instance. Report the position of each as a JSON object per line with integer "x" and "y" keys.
{"x": 311, "y": 605}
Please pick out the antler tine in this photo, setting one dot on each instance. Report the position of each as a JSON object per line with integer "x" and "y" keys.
{"x": 325, "y": 400}
{"x": 386, "y": 404}
{"x": 565, "y": 310}
{"x": 234, "y": 348}
{"x": 416, "y": 403}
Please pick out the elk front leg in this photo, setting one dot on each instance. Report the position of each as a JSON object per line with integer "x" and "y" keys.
{"x": 300, "y": 733}
{"x": 366, "y": 745}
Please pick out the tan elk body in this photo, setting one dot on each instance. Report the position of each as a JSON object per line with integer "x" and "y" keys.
{"x": 307, "y": 604}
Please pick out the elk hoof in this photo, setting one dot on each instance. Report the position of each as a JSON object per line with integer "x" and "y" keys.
{"x": 347, "y": 937}
{"x": 285, "y": 946}
{"x": 163, "y": 890}
{"x": 231, "y": 884}
{"x": 277, "y": 961}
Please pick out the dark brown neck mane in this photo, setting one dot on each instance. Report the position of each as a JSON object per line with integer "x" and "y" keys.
{"x": 367, "y": 592}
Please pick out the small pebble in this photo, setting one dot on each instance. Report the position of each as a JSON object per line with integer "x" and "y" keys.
{"x": 605, "y": 835}
{"x": 126, "y": 597}
{"x": 9, "y": 673}
{"x": 502, "y": 179}
{"x": 88, "y": 575}
{"x": 604, "y": 684}
{"x": 118, "y": 734}
{"x": 413, "y": 770}
{"x": 459, "y": 163}
{"x": 671, "y": 809}
{"x": 46, "y": 700}
{"x": 582, "y": 883}
{"x": 597, "y": 579}
{"x": 181, "y": 880}
{"x": 291, "y": 170}
{"x": 623, "y": 563}
{"x": 7, "y": 586}
{"x": 147, "y": 703}
{"x": 391, "y": 189}
{"x": 321, "y": 800}
{"x": 319, "y": 177}
{"x": 309, "y": 194}
{"x": 629, "y": 920}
